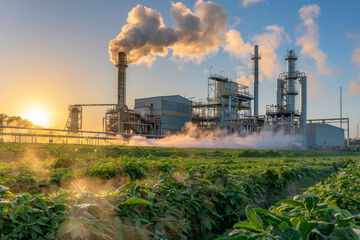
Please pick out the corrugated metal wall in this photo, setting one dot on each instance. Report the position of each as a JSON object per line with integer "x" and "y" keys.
{"x": 324, "y": 135}
{"x": 174, "y": 110}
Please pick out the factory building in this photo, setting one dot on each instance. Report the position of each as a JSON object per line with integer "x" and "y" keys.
{"x": 174, "y": 111}
{"x": 228, "y": 106}
{"x": 324, "y": 136}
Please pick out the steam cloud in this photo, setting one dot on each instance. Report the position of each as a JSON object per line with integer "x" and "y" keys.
{"x": 192, "y": 136}
{"x": 196, "y": 35}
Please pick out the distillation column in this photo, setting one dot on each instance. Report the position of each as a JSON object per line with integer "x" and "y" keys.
{"x": 255, "y": 59}
{"x": 290, "y": 83}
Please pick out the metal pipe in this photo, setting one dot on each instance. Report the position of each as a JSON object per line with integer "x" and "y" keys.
{"x": 303, "y": 108}
{"x": 340, "y": 107}
{"x": 279, "y": 93}
{"x": 348, "y": 133}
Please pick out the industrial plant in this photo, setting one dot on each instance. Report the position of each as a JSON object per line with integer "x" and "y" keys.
{"x": 228, "y": 106}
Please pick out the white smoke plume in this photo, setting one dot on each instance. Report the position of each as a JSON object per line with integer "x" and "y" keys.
{"x": 192, "y": 136}
{"x": 310, "y": 40}
{"x": 196, "y": 35}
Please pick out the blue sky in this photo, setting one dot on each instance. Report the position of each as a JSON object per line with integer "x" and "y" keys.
{"x": 55, "y": 53}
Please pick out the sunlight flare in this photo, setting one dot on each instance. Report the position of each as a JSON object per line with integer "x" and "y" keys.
{"x": 37, "y": 116}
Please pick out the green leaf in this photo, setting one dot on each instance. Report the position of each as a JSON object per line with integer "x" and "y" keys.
{"x": 258, "y": 236}
{"x": 247, "y": 226}
{"x": 36, "y": 228}
{"x": 251, "y": 215}
{"x": 293, "y": 233}
{"x": 291, "y": 202}
{"x": 240, "y": 237}
{"x": 207, "y": 223}
{"x": 136, "y": 201}
{"x": 344, "y": 234}
{"x": 305, "y": 227}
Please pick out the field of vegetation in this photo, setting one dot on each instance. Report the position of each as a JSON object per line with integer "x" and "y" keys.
{"x": 116, "y": 192}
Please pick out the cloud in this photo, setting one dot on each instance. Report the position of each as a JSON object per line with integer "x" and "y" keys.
{"x": 268, "y": 42}
{"x": 236, "y": 46}
{"x": 310, "y": 40}
{"x": 242, "y": 78}
{"x": 356, "y": 56}
{"x": 247, "y": 3}
{"x": 236, "y": 22}
{"x": 353, "y": 88}
{"x": 351, "y": 36}
{"x": 196, "y": 35}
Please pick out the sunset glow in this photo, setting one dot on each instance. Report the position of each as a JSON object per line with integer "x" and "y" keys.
{"x": 37, "y": 116}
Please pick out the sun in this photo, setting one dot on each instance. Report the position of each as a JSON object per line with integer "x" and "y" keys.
{"x": 37, "y": 116}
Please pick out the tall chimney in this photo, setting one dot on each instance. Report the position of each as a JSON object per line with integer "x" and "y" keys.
{"x": 255, "y": 57}
{"x": 122, "y": 65}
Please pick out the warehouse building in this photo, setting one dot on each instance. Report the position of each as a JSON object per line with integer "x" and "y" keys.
{"x": 324, "y": 136}
{"x": 174, "y": 111}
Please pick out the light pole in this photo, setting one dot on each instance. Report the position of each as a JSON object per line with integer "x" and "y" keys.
{"x": 210, "y": 71}
{"x": 357, "y": 133}
{"x": 221, "y": 72}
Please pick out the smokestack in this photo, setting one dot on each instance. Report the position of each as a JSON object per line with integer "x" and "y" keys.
{"x": 122, "y": 65}
{"x": 255, "y": 57}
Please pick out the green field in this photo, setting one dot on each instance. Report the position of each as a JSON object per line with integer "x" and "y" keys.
{"x": 118, "y": 192}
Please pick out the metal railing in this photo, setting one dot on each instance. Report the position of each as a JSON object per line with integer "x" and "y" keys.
{"x": 52, "y": 135}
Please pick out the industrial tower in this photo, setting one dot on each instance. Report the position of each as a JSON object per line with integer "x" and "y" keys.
{"x": 284, "y": 115}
